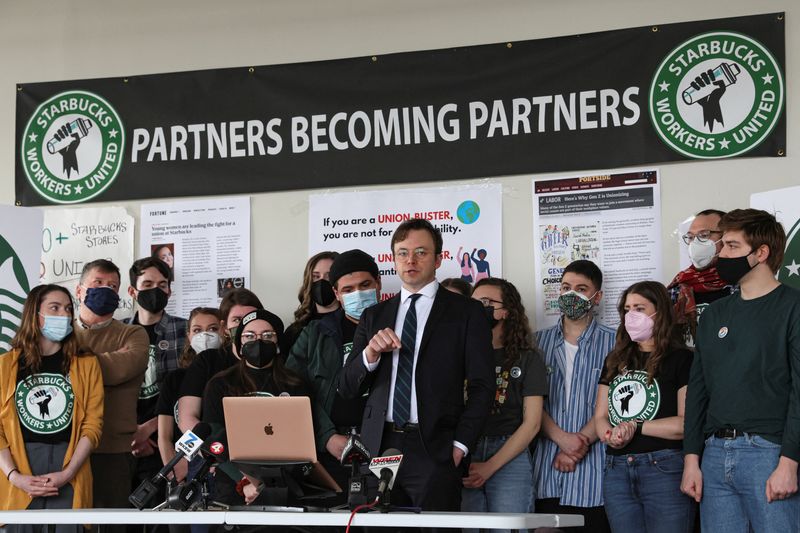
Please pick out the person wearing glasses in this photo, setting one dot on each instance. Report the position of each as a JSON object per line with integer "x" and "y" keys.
{"x": 501, "y": 471}
{"x": 413, "y": 353}
{"x": 693, "y": 289}
{"x": 259, "y": 372}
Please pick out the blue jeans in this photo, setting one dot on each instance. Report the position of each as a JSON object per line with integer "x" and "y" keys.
{"x": 735, "y": 473}
{"x": 642, "y": 493}
{"x": 509, "y": 490}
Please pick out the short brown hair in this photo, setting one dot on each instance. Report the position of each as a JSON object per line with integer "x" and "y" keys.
{"x": 402, "y": 231}
{"x": 759, "y": 228}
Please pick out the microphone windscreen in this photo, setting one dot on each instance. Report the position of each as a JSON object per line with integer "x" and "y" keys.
{"x": 202, "y": 430}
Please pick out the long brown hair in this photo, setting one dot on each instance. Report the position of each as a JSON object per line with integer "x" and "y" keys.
{"x": 233, "y": 298}
{"x": 666, "y": 333}
{"x": 29, "y": 333}
{"x": 188, "y": 354}
{"x": 306, "y": 309}
{"x": 516, "y": 329}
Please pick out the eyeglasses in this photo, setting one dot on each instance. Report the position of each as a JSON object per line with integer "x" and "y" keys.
{"x": 701, "y": 236}
{"x": 267, "y": 336}
{"x": 419, "y": 253}
{"x": 487, "y": 302}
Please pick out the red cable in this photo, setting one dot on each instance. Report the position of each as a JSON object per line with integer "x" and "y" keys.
{"x": 357, "y": 509}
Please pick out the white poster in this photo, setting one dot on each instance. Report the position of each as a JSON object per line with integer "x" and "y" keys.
{"x": 73, "y": 237}
{"x": 469, "y": 217}
{"x": 206, "y": 243}
{"x": 785, "y": 205}
{"x": 612, "y": 219}
{"x": 20, "y": 254}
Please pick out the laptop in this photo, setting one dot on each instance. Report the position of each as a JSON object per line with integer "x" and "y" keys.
{"x": 270, "y": 429}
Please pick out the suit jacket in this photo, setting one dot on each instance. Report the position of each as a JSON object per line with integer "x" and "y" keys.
{"x": 456, "y": 346}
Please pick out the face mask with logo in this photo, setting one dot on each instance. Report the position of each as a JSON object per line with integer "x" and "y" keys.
{"x": 702, "y": 253}
{"x": 639, "y": 325}
{"x": 206, "y": 340}
{"x": 733, "y": 269}
{"x": 101, "y": 300}
{"x": 355, "y": 302}
{"x": 153, "y": 300}
{"x": 259, "y": 353}
{"x": 56, "y": 328}
{"x": 488, "y": 311}
{"x": 574, "y": 305}
{"x": 322, "y": 293}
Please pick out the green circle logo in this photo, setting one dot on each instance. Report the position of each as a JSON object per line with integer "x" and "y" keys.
{"x": 716, "y": 95}
{"x": 45, "y": 403}
{"x": 631, "y": 397}
{"x": 72, "y": 147}
{"x": 790, "y": 270}
{"x": 12, "y": 294}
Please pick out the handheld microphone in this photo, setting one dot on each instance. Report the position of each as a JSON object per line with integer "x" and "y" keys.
{"x": 385, "y": 468}
{"x": 186, "y": 494}
{"x": 186, "y": 448}
{"x": 355, "y": 454}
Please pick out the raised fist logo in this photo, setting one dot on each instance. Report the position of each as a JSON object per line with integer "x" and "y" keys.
{"x": 624, "y": 395}
{"x": 708, "y": 88}
{"x": 42, "y": 398}
{"x": 66, "y": 140}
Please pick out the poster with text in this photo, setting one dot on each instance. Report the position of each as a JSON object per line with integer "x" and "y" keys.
{"x": 785, "y": 205}
{"x": 469, "y": 217}
{"x": 20, "y": 232}
{"x": 73, "y": 237}
{"x": 206, "y": 243}
{"x": 613, "y": 220}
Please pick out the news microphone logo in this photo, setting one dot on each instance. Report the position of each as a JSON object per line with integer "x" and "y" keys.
{"x": 385, "y": 468}
{"x": 217, "y": 448}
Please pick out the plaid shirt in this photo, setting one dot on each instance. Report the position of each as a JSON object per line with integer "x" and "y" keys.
{"x": 170, "y": 338}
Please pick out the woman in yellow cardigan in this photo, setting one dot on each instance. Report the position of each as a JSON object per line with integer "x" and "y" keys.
{"x": 51, "y": 410}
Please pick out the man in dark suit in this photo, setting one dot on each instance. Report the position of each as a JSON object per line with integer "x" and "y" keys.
{"x": 414, "y": 353}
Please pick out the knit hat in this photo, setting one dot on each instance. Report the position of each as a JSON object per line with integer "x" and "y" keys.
{"x": 352, "y": 261}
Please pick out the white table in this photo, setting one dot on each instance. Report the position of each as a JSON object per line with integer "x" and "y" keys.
{"x": 288, "y": 518}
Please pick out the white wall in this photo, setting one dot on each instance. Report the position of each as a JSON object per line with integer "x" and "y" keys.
{"x": 48, "y": 41}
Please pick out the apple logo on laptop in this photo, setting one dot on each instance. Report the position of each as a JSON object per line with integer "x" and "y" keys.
{"x": 268, "y": 429}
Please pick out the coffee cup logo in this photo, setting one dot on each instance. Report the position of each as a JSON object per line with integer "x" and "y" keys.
{"x": 72, "y": 147}
{"x": 716, "y": 95}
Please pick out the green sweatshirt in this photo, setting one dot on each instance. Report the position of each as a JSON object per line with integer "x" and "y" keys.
{"x": 746, "y": 371}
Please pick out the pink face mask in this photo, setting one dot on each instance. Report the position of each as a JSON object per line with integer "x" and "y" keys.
{"x": 639, "y": 325}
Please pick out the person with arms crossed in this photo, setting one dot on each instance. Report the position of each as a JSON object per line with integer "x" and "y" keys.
{"x": 413, "y": 352}
{"x": 742, "y": 406}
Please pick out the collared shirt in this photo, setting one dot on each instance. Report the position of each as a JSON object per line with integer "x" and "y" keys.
{"x": 170, "y": 337}
{"x": 584, "y": 486}
{"x": 99, "y": 325}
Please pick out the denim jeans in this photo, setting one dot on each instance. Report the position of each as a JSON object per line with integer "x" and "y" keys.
{"x": 509, "y": 490}
{"x": 642, "y": 493}
{"x": 735, "y": 473}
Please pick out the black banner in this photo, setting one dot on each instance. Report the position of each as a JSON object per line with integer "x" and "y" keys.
{"x": 699, "y": 90}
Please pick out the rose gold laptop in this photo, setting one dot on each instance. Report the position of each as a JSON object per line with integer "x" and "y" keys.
{"x": 269, "y": 429}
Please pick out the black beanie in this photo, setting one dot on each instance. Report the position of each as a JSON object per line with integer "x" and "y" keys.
{"x": 259, "y": 314}
{"x": 352, "y": 261}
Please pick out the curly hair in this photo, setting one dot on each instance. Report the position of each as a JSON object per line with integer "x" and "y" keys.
{"x": 667, "y": 334}
{"x": 517, "y": 336}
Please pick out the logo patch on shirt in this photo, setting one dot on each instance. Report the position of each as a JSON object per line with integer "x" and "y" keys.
{"x": 149, "y": 387}
{"x": 630, "y": 397}
{"x": 45, "y": 403}
{"x": 723, "y": 331}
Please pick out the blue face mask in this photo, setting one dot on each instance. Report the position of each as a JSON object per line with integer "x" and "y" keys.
{"x": 56, "y": 328}
{"x": 355, "y": 302}
{"x": 101, "y": 300}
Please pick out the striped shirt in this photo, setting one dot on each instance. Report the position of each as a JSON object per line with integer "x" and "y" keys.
{"x": 584, "y": 486}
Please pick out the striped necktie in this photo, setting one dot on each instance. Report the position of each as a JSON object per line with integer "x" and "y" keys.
{"x": 405, "y": 366}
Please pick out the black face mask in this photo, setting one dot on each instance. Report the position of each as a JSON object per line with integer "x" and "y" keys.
{"x": 153, "y": 300}
{"x": 489, "y": 311}
{"x": 322, "y": 292}
{"x": 733, "y": 269}
{"x": 259, "y": 353}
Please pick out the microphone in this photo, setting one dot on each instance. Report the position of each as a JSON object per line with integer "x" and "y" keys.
{"x": 186, "y": 448}
{"x": 186, "y": 494}
{"x": 355, "y": 454}
{"x": 385, "y": 468}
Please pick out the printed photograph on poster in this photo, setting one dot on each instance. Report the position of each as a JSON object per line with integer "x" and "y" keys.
{"x": 73, "y": 237}
{"x": 611, "y": 219}
{"x": 20, "y": 264}
{"x": 206, "y": 244}
{"x": 785, "y": 205}
{"x": 469, "y": 217}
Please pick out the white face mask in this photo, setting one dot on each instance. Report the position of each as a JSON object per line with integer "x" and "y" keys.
{"x": 206, "y": 340}
{"x": 702, "y": 253}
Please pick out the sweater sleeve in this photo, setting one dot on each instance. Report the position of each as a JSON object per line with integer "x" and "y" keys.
{"x": 127, "y": 362}
{"x": 790, "y": 446}
{"x": 92, "y": 425}
{"x": 696, "y": 405}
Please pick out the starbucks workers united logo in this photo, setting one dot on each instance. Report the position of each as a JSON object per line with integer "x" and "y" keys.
{"x": 716, "y": 95}
{"x": 72, "y": 147}
{"x": 45, "y": 403}
{"x": 631, "y": 396}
